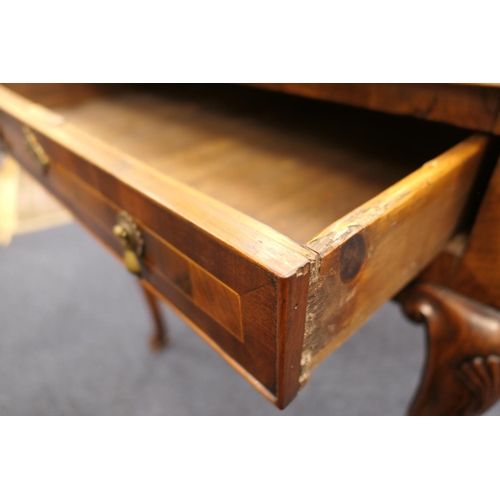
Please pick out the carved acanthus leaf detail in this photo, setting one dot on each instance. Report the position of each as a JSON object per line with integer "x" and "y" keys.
{"x": 462, "y": 373}
{"x": 481, "y": 376}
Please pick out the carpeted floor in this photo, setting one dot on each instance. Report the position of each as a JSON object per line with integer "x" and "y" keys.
{"x": 73, "y": 342}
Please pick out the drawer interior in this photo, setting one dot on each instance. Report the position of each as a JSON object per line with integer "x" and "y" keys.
{"x": 275, "y": 224}
{"x": 294, "y": 164}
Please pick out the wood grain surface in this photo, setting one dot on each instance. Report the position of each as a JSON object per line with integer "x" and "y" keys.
{"x": 473, "y": 106}
{"x": 294, "y": 166}
{"x": 96, "y": 181}
{"x": 474, "y": 269}
{"x": 369, "y": 255}
{"x": 118, "y": 176}
{"x": 62, "y": 94}
{"x": 266, "y": 217}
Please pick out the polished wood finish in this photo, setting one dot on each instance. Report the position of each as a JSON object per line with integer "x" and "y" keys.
{"x": 159, "y": 338}
{"x": 168, "y": 270}
{"x": 294, "y": 168}
{"x": 473, "y": 106}
{"x": 472, "y": 268}
{"x": 62, "y": 94}
{"x": 369, "y": 255}
{"x": 462, "y": 372}
{"x": 255, "y": 262}
{"x": 274, "y": 225}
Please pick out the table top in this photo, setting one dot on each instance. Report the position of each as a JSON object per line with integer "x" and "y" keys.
{"x": 472, "y": 106}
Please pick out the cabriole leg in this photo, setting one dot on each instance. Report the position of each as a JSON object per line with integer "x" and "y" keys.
{"x": 462, "y": 372}
{"x": 159, "y": 338}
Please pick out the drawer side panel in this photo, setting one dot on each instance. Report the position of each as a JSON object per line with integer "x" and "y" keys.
{"x": 369, "y": 255}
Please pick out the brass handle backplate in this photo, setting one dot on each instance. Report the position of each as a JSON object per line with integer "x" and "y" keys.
{"x": 36, "y": 150}
{"x": 128, "y": 232}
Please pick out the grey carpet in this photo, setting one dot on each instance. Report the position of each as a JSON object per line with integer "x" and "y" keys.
{"x": 73, "y": 329}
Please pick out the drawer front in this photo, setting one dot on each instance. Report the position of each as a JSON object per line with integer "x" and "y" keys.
{"x": 232, "y": 297}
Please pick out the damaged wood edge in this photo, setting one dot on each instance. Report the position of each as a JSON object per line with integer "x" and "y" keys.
{"x": 306, "y": 355}
{"x": 316, "y": 300}
{"x": 366, "y": 257}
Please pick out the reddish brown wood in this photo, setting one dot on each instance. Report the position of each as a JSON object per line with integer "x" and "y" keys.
{"x": 462, "y": 373}
{"x": 63, "y": 94}
{"x": 371, "y": 253}
{"x": 292, "y": 319}
{"x": 473, "y": 270}
{"x": 159, "y": 338}
{"x": 265, "y": 156}
{"x": 275, "y": 208}
{"x": 466, "y": 105}
{"x": 168, "y": 273}
{"x": 246, "y": 263}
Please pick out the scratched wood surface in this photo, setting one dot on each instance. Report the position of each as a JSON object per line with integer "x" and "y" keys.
{"x": 369, "y": 255}
{"x": 302, "y": 217}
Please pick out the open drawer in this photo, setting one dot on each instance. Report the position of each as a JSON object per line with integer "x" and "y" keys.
{"x": 275, "y": 225}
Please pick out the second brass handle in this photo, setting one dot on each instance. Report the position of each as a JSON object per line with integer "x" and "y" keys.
{"x": 130, "y": 237}
{"x": 35, "y": 149}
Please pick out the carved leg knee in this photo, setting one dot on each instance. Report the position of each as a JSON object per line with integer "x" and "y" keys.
{"x": 462, "y": 372}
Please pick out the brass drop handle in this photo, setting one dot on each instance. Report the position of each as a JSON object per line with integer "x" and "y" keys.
{"x": 128, "y": 233}
{"x": 35, "y": 150}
